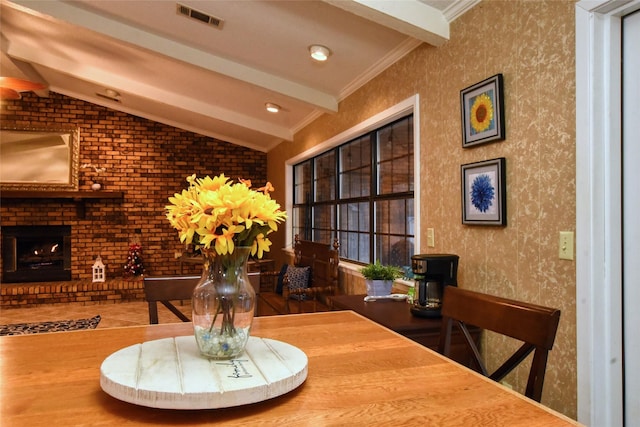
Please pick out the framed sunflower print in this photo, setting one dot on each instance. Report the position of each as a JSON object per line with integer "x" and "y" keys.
{"x": 484, "y": 194}
{"x": 482, "y": 109}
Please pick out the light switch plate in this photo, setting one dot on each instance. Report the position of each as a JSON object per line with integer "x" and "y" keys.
{"x": 431, "y": 241}
{"x": 565, "y": 247}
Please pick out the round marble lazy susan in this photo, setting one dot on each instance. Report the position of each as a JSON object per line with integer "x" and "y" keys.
{"x": 170, "y": 373}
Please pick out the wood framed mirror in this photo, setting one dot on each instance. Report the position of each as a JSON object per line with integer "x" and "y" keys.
{"x": 39, "y": 159}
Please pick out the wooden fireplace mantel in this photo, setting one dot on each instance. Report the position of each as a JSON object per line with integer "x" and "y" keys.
{"x": 74, "y": 195}
{"x": 77, "y": 196}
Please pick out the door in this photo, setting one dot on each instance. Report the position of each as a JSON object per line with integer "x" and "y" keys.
{"x": 607, "y": 238}
{"x": 631, "y": 216}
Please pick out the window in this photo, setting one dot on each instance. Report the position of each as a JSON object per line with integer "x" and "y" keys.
{"x": 361, "y": 192}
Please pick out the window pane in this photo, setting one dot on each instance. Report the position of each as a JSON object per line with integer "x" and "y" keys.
{"x": 354, "y": 231}
{"x": 401, "y": 252}
{"x": 394, "y": 235}
{"x": 323, "y": 223}
{"x": 395, "y": 157}
{"x": 354, "y": 217}
{"x": 302, "y": 182}
{"x": 398, "y": 213}
{"x": 323, "y": 236}
{"x": 355, "y": 246}
{"x": 324, "y": 179}
{"x": 355, "y": 168}
{"x": 395, "y": 176}
{"x": 395, "y": 140}
{"x": 301, "y": 222}
{"x": 394, "y": 250}
{"x": 411, "y": 223}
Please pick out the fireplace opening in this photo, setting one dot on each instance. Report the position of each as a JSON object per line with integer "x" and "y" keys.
{"x": 36, "y": 253}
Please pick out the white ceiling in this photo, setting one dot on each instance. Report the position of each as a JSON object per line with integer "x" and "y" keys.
{"x": 179, "y": 71}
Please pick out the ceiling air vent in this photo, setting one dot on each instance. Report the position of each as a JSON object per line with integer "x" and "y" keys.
{"x": 199, "y": 16}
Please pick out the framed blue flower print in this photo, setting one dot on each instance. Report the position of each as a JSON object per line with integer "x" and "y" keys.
{"x": 484, "y": 193}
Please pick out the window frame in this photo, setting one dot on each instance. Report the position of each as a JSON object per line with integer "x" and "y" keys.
{"x": 398, "y": 111}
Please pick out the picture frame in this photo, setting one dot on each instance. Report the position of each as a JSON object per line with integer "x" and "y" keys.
{"x": 482, "y": 107}
{"x": 484, "y": 192}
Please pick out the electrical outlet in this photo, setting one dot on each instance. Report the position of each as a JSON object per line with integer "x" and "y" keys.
{"x": 431, "y": 241}
{"x": 565, "y": 248}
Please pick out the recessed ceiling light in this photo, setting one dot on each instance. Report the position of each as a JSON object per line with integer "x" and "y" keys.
{"x": 319, "y": 52}
{"x": 272, "y": 108}
{"x": 110, "y": 95}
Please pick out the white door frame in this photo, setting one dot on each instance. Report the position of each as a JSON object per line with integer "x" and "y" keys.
{"x": 598, "y": 211}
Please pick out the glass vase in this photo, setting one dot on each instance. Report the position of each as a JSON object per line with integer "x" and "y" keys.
{"x": 223, "y": 304}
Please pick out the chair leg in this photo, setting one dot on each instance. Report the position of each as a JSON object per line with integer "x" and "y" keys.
{"x": 536, "y": 375}
{"x": 175, "y": 311}
{"x": 153, "y": 312}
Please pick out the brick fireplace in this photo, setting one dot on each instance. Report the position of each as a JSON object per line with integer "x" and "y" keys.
{"x": 143, "y": 160}
{"x": 36, "y": 253}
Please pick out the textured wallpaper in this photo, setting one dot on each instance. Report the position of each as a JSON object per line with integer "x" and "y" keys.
{"x": 532, "y": 44}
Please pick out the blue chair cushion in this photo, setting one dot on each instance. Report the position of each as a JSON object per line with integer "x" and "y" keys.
{"x": 298, "y": 279}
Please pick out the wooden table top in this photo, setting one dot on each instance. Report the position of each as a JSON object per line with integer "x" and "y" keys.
{"x": 359, "y": 373}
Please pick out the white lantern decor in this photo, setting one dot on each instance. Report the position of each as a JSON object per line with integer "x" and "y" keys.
{"x": 98, "y": 270}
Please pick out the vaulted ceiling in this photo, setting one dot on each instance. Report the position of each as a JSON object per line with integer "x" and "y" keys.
{"x": 149, "y": 59}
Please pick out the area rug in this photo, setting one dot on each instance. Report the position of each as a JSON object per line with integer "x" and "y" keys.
{"x": 41, "y": 327}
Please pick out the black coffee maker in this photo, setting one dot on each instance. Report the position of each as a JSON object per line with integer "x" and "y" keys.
{"x": 432, "y": 272}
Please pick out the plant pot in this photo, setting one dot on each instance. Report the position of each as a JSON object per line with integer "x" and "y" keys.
{"x": 379, "y": 287}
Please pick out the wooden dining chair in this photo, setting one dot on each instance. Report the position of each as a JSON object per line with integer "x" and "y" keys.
{"x": 166, "y": 289}
{"x": 321, "y": 260}
{"x": 534, "y": 325}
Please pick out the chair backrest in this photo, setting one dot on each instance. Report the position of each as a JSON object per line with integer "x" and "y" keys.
{"x": 165, "y": 289}
{"x": 322, "y": 259}
{"x": 532, "y": 324}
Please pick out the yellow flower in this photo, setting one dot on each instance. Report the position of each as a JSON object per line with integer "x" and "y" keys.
{"x": 481, "y": 113}
{"x": 224, "y": 241}
{"x": 261, "y": 245}
{"x": 267, "y": 188}
{"x": 214, "y": 212}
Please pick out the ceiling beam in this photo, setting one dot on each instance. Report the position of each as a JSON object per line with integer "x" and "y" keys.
{"x": 10, "y": 67}
{"x": 410, "y": 17}
{"x": 118, "y": 30}
{"x": 102, "y": 78}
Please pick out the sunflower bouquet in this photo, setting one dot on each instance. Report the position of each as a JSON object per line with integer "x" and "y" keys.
{"x": 215, "y": 213}
{"x": 227, "y": 221}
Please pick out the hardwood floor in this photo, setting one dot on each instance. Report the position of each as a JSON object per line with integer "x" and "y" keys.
{"x": 124, "y": 313}
{"x": 112, "y": 314}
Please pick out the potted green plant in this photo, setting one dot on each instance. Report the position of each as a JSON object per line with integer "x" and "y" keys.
{"x": 379, "y": 278}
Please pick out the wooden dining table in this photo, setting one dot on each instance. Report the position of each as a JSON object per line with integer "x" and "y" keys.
{"x": 359, "y": 373}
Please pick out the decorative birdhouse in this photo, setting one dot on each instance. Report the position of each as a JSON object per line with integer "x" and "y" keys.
{"x": 98, "y": 270}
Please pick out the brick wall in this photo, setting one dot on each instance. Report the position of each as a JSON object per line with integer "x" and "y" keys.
{"x": 75, "y": 291}
{"x": 148, "y": 161}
